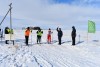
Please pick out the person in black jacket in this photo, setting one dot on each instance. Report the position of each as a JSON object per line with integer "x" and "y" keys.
{"x": 7, "y": 31}
{"x": 60, "y": 34}
{"x": 73, "y": 34}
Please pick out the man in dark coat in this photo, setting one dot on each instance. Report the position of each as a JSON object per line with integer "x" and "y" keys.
{"x": 73, "y": 34}
{"x": 60, "y": 34}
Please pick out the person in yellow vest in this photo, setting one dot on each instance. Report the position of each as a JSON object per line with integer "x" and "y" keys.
{"x": 11, "y": 32}
{"x": 39, "y": 35}
{"x": 27, "y": 33}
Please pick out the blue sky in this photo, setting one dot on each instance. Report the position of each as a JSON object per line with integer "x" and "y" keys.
{"x": 93, "y": 3}
{"x": 63, "y": 1}
{"x": 52, "y": 13}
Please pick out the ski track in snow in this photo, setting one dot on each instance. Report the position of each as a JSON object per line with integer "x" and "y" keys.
{"x": 51, "y": 55}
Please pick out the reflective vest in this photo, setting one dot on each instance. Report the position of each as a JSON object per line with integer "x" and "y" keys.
{"x": 11, "y": 31}
{"x": 27, "y": 32}
{"x": 39, "y": 33}
{"x": 8, "y": 30}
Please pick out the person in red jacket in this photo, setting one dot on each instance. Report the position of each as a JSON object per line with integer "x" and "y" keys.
{"x": 49, "y": 36}
{"x": 27, "y": 33}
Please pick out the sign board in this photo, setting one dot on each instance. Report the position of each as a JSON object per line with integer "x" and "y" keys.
{"x": 9, "y": 37}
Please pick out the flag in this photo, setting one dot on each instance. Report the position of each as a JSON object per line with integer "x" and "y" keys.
{"x": 91, "y": 27}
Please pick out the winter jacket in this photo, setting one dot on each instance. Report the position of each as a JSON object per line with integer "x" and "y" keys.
{"x": 7, "y": 30}
{"x": 11, "y": 31}
{"x": 60, "y": 33}
{"x": 49, "y": 32}
{"x": 27, "y": 32}
{"x": 73, "y": 34}
{"x": 39, "y": 33}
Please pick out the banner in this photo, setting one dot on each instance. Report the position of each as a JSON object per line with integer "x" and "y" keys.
{"x": 91, "y": 27}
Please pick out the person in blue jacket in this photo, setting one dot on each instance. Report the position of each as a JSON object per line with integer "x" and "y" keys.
{"x": 60, "y": 34}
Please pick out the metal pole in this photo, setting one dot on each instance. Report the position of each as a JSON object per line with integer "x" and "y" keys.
{"x": 10, "y": 22}
{"x": 31, "y": 37}
{"x": 52, "y": 37}
{"x": 79, "y": 38}
{"x": 10, "y": 17}
{"x": 87, "y": 37}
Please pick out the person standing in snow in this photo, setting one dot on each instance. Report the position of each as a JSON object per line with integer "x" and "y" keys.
{"x": 11, "y": 32}
{"x": 7, "y": 31}
{"x": 73, "y": 35}
{"x": 49, "y": 36}
{"x": 39, "y": 35}
{"x": 27, "y": 33}
{"x": 60, "y": 34}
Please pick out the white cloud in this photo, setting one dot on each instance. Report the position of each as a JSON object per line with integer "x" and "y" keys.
{"x": 44, "y": 13}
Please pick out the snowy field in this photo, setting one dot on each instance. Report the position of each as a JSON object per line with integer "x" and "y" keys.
{"x": 84, "y": 54}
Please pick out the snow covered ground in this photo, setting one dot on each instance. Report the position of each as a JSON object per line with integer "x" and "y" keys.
{"x": 84, "y": 54}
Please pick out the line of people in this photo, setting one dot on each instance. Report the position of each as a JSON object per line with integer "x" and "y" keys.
{"x": 40, "y": 32}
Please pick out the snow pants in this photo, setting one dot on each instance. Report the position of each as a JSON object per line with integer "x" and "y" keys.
{"x": 49, "y": 38}
{"x": 73, "y": 40}
{"x": 26, "y": 39}
{"x": 59, "y": 39}
{"x": 38, "y": 39}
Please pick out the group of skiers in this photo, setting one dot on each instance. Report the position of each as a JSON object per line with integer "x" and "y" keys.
{"x": 40, "y": 32}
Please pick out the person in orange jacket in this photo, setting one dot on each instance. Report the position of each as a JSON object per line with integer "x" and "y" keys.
{"x": 27, "y": 33}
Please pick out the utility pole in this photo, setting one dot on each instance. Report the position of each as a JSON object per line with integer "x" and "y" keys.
{"x": 10, "y": 16}
{"x": 11, "y": 22}
{"x": 10, "y": 19}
